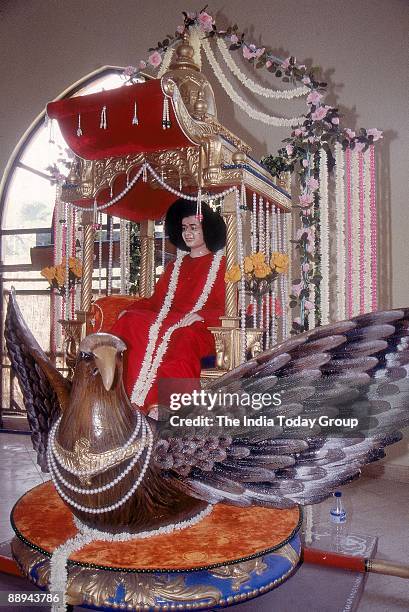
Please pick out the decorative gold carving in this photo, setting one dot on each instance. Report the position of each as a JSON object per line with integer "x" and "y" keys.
{"x": 72, "y": 331}
{"x": 195, "y": 90}
{"x": 88, "y": 177}
{"x": 288, "y": 552}
{"x": 81, "y": 458}
{"x": 239, "y": 573}
{"x": 99, "y": 587}
{"x": 29, "y": 560}
{"x": 228, "y": 340}
{"x": 221, "y": 130}
{"x": 178, "y": 166}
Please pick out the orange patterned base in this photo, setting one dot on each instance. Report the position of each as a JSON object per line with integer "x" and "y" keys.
{"x": 228, "y": 534}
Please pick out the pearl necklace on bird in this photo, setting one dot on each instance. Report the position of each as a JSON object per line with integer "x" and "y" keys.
{"x": 58, "y": 479}
{"x": 152, "y": 361}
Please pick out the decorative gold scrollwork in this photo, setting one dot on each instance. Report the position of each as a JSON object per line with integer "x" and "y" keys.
{"x": 239, "y": 573}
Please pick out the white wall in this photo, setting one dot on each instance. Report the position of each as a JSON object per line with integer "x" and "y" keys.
{"x": 361, "y": 46}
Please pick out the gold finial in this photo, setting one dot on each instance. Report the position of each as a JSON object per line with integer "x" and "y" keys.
{"x": 184, "y": 55}
{"x": 200, "y": 105}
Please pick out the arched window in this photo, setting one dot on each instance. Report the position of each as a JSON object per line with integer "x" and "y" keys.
{"x": 27, "y": 199}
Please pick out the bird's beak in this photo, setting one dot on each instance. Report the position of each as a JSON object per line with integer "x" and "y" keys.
{"x": 105, "y": 359}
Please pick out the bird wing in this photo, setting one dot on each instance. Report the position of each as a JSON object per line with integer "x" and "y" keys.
{"x": 45, "y": 390}
{"x": 351, "y": 369}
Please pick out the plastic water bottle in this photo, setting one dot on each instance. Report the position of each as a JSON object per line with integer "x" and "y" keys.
{"x": 338, "y": 517}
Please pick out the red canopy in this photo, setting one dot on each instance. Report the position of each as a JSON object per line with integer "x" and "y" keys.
{"x": 120, "y": 137}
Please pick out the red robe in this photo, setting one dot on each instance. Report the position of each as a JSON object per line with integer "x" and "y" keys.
{"x": 187, "y": 345}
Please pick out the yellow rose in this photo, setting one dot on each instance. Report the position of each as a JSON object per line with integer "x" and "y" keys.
{"x": 233, "y": 275}
{"x": 262, "y": 270}
{"x": 76, "y": 268}
{"x": 48, "y": 273}
{"x": 258, "y": 259}
{"x": 60, "y": 275}
{"x": 248, "y": 265}
{"x": 279, "y": 262}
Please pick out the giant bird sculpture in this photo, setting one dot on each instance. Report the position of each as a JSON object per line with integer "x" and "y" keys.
{"x": 120, "y": 470}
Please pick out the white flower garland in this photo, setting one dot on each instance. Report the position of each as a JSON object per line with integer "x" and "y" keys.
{"x": 251, "y": 112}
{"x": 267, "y": 92}
{"x": 195, "y": 41}
{"x": 367, "y": 231}
{"x": 154, "y": 330}
{"x": 167, "y": 58}
{"x": 355, "y": 233}
{"x": 340, "y": 232}
{"x": 150, "y": 365}
{"x": 86, "y": 535}
{"x": 324, "y": 237}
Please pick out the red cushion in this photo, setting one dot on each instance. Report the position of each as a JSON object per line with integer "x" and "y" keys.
{"x": 105, "y": 311}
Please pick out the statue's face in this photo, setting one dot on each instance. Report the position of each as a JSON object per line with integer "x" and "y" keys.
{"x": 192, "y": 232}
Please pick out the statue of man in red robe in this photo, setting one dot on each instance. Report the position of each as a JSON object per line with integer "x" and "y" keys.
{"x": 167, "y": 334}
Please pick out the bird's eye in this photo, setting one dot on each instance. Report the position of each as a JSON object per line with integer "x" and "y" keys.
{"x": 86, "y": 356}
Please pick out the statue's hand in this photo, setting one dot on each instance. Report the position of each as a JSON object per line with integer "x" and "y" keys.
{"x": 190, "y": 319}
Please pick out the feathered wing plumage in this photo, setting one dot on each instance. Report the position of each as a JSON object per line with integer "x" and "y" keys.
{"x": 42, "y": 399}
{"x": 356, "y": 368}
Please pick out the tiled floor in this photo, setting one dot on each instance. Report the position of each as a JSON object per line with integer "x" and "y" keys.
{"x": 375, "y": 507}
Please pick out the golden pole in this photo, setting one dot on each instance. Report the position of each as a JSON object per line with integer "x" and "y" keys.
{"x": 88, "y": 260}
{"x": 229, "y": 214}
{"x": 146, "y": 283}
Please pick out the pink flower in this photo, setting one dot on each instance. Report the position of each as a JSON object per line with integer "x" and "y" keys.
{"x": 314, "y": 97}
{"x": 306, "y": 80}
{"x": 234, "y": 39}
{"x": 312, "y": 183}
{"x": 296, "y": 289}
{"x": 359, "y": 147}
{"x": 306, "y": 212}
{"x": 289, "y": 148}
{"x": 306, "y": 199}
{"x": 191, "y": 15}
{"x": 285, "y": 64}
{"x": 268, "y": 64}
{"x": 129, "y": 71}
{"x": 377, "y": 134}
{"x": 180, "y": 29}
{"x": 350, "y": 133}
{"x": 142, "y": 64}
{"x": 305, "y": 267}
{"x": 205, "y": 22}
{"x": 308, "y": 305}
{"x": 305, "y": 163}
{"x": 248, "y": 51}
{"x": 155, "y": 59}
{"x": 320, "y": 113}
{"x": 335, "y": 120}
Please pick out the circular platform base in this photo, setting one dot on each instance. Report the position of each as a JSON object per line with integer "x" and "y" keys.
{"x": 232, "y": 555}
